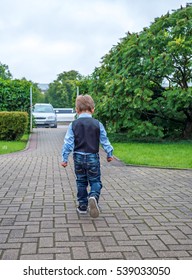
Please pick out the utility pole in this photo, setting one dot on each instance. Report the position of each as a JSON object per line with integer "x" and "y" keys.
{"x": 31, "y": 108}
{"x": 77, "y": 90}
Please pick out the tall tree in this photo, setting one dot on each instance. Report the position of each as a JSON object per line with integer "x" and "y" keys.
{"x": 62, "y": 90}
{"x": 5, "y": 74}
{"x": 142, "y": 86}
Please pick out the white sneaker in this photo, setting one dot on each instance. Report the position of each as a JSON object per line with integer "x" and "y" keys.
{"x": 93, "y": 207}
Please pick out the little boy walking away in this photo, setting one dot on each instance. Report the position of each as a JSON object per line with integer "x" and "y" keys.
{"x": 83, "y": 138}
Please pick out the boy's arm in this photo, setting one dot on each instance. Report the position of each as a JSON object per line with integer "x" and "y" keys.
{"x": 68, "y": 145}
{"x": 105, "y": 143}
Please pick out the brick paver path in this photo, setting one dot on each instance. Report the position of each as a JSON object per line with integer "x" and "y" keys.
{"x": 146, "y": 212}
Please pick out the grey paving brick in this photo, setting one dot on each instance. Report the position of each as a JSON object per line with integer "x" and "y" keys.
{"x": 15, "y": 233}
{"x": 32, "y": 228}
{"x": 107, "y": 256}
{"x": 120, "y": 248}
{"x": 46, "y": 242}
{"x": 157, "y": 245}
{"x": 168, "y": 239}
{"x": 29, "y": 248}
{"x": 61, "y": 256}
{"x": 37, "y": 257}
{"x": 120, "y": 235}
{"x": 95, "y": 246}
{"x": 47, "y": 224}
{"x": 10, "y": 254}
{"x": 53, "y": 250}
{"x": 80, "y": 253}
{"x": 108, "y": 241}
{"x": 132, "y": 256}
{"x": 3, "y": 237}
{"x": 173, "y": 254}
{"x": 146, "y": 252}
{"x": 61, "y": 236}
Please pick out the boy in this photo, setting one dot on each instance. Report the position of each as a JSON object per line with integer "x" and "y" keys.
{"x": 83, "y": 138}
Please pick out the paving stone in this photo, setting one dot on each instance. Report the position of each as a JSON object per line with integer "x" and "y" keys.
{"x": 37, "y": 257}
{"x": 29, "y": 248}
{"x": 15, "y": 233}
{"x": 168, "y": 239}
{"x": 80, "y": 253}
{"x": 157, "y": 245}
{"x": 61, "y": 236}
{"x": 146, "y": 252}
{"x": 108, "y": 241}
{"x": 173, "y": 254}
{"x": 95, "y": 246}
{"x": 10, "y": 254}
{"x": 53, "y": 250}
{"x": 3, "y": 237}
{"x": 46, "y": 242}
{"x": 107, "y": 256}
{"x": 132, "y": 256}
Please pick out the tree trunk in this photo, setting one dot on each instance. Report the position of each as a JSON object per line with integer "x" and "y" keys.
{"x": 187, "y": 133}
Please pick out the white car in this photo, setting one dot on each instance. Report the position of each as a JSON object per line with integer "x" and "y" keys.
{"x": 65, "y": 114}
{"x": 44, "y": 115}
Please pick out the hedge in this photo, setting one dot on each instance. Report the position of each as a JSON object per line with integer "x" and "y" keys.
{"x": 13, "y": 125}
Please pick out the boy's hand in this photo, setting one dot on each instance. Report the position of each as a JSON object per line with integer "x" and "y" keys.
{"x": 109, "y": 159}
{"x": 64, "y": 164}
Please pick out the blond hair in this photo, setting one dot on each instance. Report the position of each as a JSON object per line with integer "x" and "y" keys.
{"x": 84, "y": 103}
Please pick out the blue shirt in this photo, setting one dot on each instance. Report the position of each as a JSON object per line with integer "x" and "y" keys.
{"x": 68, "y": 145}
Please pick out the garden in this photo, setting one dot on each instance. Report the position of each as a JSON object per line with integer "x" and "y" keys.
{"x": 142, "y": 91}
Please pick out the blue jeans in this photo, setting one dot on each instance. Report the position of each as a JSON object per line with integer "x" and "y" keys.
{"x": 87, "y": 171}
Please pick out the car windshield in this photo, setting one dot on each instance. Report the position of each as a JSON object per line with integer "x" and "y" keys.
{"x": 43, "y": 109}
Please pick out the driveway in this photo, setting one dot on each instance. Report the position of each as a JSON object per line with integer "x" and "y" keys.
{"x": 146, "y": 212}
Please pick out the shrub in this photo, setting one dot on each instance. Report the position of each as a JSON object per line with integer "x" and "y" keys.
{"x": 13, "y": 125}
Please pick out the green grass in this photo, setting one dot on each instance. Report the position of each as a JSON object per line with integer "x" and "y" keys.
{"x": 176, "y": 155}
{"x": 7, "y": 147}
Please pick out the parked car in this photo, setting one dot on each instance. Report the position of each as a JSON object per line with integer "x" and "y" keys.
{"x": 65, "y": 114}
{"x": 44, "y": 115}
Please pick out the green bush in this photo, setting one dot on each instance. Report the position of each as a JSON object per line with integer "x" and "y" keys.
{"x": 13, "y": 125}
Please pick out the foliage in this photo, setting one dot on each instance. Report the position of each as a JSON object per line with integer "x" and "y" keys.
{"x": 142, "y": 86}
{"x": 62, "y": 91}
{"x": 15, "y": 95}
{"x": 12, "y": 125}
{"x": 4, "y": 72}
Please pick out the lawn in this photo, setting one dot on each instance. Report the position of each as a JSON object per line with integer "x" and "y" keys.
{"x": 7, "y": 147}
{"x": 176, "y": 155}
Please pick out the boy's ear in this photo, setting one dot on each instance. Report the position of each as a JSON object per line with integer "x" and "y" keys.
{"x": 92, "y": 110}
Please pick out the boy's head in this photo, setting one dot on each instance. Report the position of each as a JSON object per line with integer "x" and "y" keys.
{"x": 85, "y": 103}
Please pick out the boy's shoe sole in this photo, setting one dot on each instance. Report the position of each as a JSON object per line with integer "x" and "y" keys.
{"x": 93, "y": 207}
{"x": 81, "y": 211}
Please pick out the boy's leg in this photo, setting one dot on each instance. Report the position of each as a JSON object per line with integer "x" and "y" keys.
{"x": 81, "y": 180}
{"x": 94, "y": 176}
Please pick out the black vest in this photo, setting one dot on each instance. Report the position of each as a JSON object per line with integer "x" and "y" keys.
{"x": 87, "y": 134}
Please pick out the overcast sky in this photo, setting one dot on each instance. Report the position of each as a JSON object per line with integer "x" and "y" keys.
{"x": 40, "y": 39}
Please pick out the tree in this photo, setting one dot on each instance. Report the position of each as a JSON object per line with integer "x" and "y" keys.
{"x": 129, "y": 86}
{"x": 62, "y": 90}
{"x": 15, "y": 95}
{"x": 4, "y": 72}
